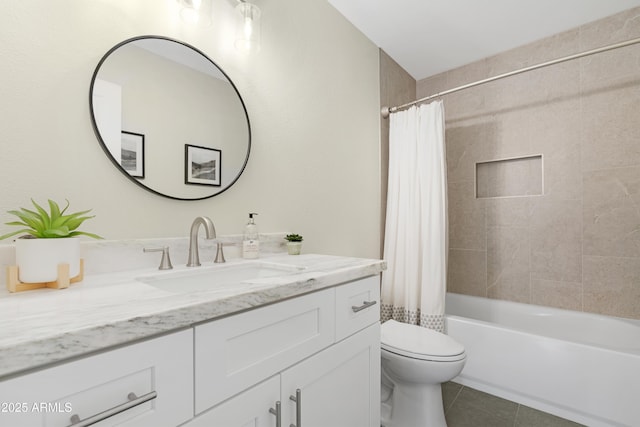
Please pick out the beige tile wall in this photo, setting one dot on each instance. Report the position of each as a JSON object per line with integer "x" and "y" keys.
{"x": 578, "y": 245}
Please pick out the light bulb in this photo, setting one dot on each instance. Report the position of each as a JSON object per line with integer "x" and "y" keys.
{"x": 248, "y": 27}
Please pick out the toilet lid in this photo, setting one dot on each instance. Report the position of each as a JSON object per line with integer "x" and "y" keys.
{"x": 418, "y": 342}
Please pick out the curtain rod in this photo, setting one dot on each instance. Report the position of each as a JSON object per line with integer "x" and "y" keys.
{"x": 386, "y": 110}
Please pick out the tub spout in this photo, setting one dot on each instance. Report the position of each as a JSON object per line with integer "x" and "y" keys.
{"x": 210, "y": 230}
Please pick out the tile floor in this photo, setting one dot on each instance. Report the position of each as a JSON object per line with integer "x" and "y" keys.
{"x": 466, "y": 407}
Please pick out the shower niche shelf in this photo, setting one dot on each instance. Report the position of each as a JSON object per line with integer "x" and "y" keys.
{"x": 510, "y": 177}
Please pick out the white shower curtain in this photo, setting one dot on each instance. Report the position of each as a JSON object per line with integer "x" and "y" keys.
{"x": 415, "y": 243}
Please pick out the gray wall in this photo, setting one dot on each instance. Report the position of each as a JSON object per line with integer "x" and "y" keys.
{"x": 312, "y": 94}
{"x": 578, "y": 245}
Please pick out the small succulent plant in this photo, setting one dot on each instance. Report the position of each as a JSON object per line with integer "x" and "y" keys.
{"x": 49, "y": 225}
{"x": 293, "y": 238}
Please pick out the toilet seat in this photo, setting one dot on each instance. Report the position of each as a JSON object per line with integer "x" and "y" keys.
{"x": 420, "y": 343}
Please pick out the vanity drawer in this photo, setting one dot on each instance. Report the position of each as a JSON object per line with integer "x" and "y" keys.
{"x": 233, "y": 353}
{"x": 357, "y": 306}
{"x": 160, "y": 370}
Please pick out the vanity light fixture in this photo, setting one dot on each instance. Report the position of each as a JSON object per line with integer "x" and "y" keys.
{"x": 247, "y": 27}
{"x": 195, "y": 12}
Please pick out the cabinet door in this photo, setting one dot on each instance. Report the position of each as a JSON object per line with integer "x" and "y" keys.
{"x": 160, "y": 369}
{"x": 339, "y": 387}
{"x": 248, "y": 409}
{"x": 234, "y": 353}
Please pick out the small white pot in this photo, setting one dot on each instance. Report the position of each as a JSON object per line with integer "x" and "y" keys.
{"x": 294, "y": 248}
{"x": 38, "y": 259}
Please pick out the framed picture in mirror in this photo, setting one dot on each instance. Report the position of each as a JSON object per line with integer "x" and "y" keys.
{"x": 202, "y": 165}
{"x": 132, "y": 153}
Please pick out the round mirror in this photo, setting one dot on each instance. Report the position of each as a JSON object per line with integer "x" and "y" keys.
{"x": 169, "y": 118}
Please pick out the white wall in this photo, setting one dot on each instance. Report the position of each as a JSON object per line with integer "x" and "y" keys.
{"x": 312, "y": 94}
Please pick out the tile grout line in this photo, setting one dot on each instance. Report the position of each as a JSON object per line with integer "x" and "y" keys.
{"x": 515, "y": 419}
{"x": 454, "y": 399}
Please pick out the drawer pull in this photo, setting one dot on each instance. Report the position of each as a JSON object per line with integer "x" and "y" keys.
{"x": 278, "y": 413}
{"x": 365, "y": 304}
{"x": 133, "y": 401}
{"x": 298, "y": 399}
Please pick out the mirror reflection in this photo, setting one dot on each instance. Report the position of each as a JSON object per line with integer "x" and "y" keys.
{"x": 169, "y": 118}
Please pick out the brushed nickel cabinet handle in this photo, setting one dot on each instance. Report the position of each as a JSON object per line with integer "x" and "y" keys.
{"x": 133, "y": 402}
{"x": 365, "y": 304}
{"x": 278, "y": 413}
{"x": 298, "y": 399}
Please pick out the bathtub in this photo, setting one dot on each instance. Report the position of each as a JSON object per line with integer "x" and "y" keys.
{"x": 579, "y": 366}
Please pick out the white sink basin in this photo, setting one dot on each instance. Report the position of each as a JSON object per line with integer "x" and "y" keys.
{"x": 205, "y": 278}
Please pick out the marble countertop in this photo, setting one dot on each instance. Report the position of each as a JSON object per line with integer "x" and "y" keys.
{"x": 105, "y": 310}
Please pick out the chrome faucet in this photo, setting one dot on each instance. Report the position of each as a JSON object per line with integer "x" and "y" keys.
{"x": 210, "y": 230}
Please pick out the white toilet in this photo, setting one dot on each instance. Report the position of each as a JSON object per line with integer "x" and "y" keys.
{"x": 415, "y": 362}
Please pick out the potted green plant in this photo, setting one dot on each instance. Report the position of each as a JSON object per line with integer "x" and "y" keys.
{"x": 294, "y": 243}
{"x": 49, "y": 240}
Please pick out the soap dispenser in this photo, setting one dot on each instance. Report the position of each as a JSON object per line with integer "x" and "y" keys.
{"x": 250, "y": 239}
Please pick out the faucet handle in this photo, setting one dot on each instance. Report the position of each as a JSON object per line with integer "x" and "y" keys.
{"x": 219, "y": 254}
{"x": 165, "y": 262}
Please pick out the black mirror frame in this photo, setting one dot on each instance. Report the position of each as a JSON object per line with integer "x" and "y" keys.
{"x": 108, "y": 153}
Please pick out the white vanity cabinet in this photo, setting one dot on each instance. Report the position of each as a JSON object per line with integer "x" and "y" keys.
{"x": 145, "y": 384}
{"x": 316, "y": 356}
{"x": 311, "y": 360}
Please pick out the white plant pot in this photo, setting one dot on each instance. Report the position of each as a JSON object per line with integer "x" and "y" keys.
{"x": 38, "y": 259}
{"x": 294, "y": 248}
